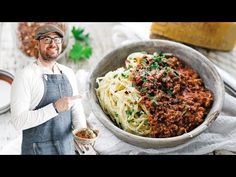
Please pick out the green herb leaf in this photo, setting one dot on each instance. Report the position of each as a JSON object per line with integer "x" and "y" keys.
{"x": 146, "y": 122}
{"x": 143, "y": 89}
{"x": 78, "y": 35}
{"x": 79, "y": 52}
{"x": 169, "y": 92}
{"x": 81, "y": 48}
{"x": 144, "y": 80}
{"x": 167, "y": 68}
{"x": 77, "y": 32}
{"x": 76, "y": 52}
{"x": 176, "y": 73}
{"x": 125, "y": 76}
{"x": 139, "y": 113}
{"x": 155, "y": 103}
{"x": 129, "y": 112}
{"x": 154, "y": 66}
{"x": 87, "y": 52}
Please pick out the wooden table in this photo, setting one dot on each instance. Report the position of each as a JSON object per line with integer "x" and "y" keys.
{"x": 101, "y": 40}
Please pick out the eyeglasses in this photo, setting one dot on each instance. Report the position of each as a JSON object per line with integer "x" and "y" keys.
{"x": 48, "y": 40}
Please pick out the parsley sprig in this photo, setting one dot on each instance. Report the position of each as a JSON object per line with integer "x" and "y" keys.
{"x": 81, "y": 48}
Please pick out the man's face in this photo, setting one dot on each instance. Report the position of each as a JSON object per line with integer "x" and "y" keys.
{"x": 50, "y": 46}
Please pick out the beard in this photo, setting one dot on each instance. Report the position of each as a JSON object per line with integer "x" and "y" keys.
{"x": 50, "y": 54}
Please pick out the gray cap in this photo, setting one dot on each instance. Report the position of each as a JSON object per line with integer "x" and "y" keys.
{"x": 42, "y": 30}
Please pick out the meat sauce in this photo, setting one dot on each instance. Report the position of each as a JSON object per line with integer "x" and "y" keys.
{"x": 173, "y": 93}
{"x": 86, "y": 133}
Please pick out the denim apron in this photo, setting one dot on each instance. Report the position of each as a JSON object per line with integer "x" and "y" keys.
{"x": 53, "y": 137}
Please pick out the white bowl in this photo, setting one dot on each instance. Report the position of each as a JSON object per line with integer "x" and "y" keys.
{"x": 85, "y": 141}
{"x": 6, "y": 80}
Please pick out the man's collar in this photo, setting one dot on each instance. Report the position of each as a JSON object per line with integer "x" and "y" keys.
{"x": 55, "y": 68}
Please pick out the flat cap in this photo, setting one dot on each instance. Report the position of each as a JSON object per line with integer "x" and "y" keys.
{"x": 42, "y": 30}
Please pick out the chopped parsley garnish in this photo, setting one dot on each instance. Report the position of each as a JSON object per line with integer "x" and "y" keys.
{"x": 169, "y": 92}
{"x": 155, "y": 103}
{"x": 139, "y": 113}
{"x": 176, "y": 73}
{"x": 125, "y": 76}
{"x": 144, "y": 62}
{"x": 144, "y": 80}
{"x": 144, "y": 88}
{"x": 167, "y": 68}
{"x": 143, "y": 73}
{"x": 146, "y": 122}
{"x": 129, "y": 112}
{"x": 166, "y": 90}
{"x": 154, "y": 66}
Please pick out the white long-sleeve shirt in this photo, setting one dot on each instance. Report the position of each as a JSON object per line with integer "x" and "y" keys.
{"x": 27, "y": 91}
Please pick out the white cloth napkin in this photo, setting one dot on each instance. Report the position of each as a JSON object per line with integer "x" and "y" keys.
{"x": 220, "y": 135}
{"x": 10, "y": 139}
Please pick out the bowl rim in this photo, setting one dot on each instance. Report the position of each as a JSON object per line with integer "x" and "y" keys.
{"x": 8, "y": 74}
{"x": 209, "y": 119}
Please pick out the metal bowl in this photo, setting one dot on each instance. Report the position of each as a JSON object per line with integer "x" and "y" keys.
{"x": 6, "y": 79}
{"x": 191, "y": 57}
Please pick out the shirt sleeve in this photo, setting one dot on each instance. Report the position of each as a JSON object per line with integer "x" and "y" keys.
{"x": 78, "y": 115}
{"x": 21, "y": 116}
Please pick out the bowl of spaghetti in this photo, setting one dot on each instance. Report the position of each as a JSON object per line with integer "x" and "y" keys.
{"x": 155, "y": 93}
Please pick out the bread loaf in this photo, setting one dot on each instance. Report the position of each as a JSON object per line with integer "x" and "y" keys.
{"x": 213, "y": 35}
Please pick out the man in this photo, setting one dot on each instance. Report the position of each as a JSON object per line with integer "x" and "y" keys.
{"x": 44, "y": 101}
